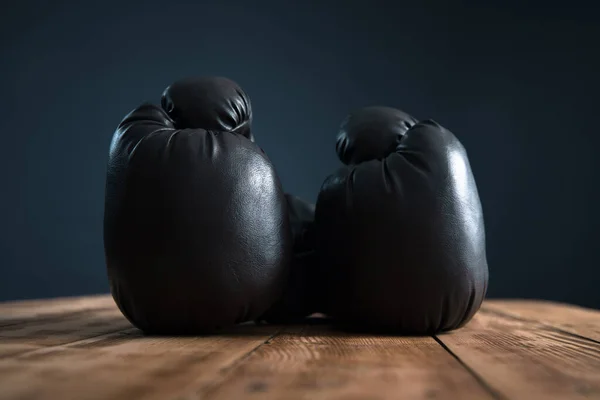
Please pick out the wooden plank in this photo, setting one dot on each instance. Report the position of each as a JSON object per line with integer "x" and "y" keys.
{"x": 526, "y": 360}
{"x": 22, "y": 312}
{"x": 84, "y": 348}
{"x": 127, "y": 365}
{"x": 18, "y": 338}
{"x": 570, "y": 318}
{"x": 11, "y": 349}
{"x": 318, "y": 363}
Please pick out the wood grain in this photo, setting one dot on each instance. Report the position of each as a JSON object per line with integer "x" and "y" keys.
{"x": 526, "y": 360}
{"x": 66, "y": 327}
{"x": 574, "y": 319}
{"x": 22, "y": 312}
{"x": 84, "y": 348}
{"x": 126, "y": 365}
{"x": 318, "y": 363}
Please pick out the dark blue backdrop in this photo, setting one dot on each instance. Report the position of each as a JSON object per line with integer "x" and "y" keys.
{"x": 517, "y": 83}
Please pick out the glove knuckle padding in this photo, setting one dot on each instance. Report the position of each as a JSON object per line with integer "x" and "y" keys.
{"x": 403, "y": 236}
{"x": 196, "y": 230}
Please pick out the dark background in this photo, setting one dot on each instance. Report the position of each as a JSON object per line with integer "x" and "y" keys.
{"x": 518, "y": 84}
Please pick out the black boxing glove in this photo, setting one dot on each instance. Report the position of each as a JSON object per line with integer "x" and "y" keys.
{"x": 400, "y": 229}
{"x": 303, "y": 292}
{"x": 196, "y": 230}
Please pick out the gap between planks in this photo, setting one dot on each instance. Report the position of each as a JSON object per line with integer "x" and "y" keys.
{"x": 516, "y": 354}
{"x": 316, "y": 362}
{"x": 556, "y": 317}
{"x": 226, "y": 371}
{"x": 127, "y": 365}
{"x": 524, "y": 359}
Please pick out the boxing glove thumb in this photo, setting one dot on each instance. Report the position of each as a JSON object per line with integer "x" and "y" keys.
{"x": 372, "y": 133}
{"x": 210, "y": 103}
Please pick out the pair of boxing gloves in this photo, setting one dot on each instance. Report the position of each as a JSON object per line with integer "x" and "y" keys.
{"x": 199, "y": 234}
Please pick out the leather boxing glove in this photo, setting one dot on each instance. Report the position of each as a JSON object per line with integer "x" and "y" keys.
{"x": 302, "y": 294}
{"x": 196, "y": 230}
{"x": 400, "y": 228}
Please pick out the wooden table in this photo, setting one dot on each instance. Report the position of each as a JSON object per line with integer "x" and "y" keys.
{"x": 82, "y": 348}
